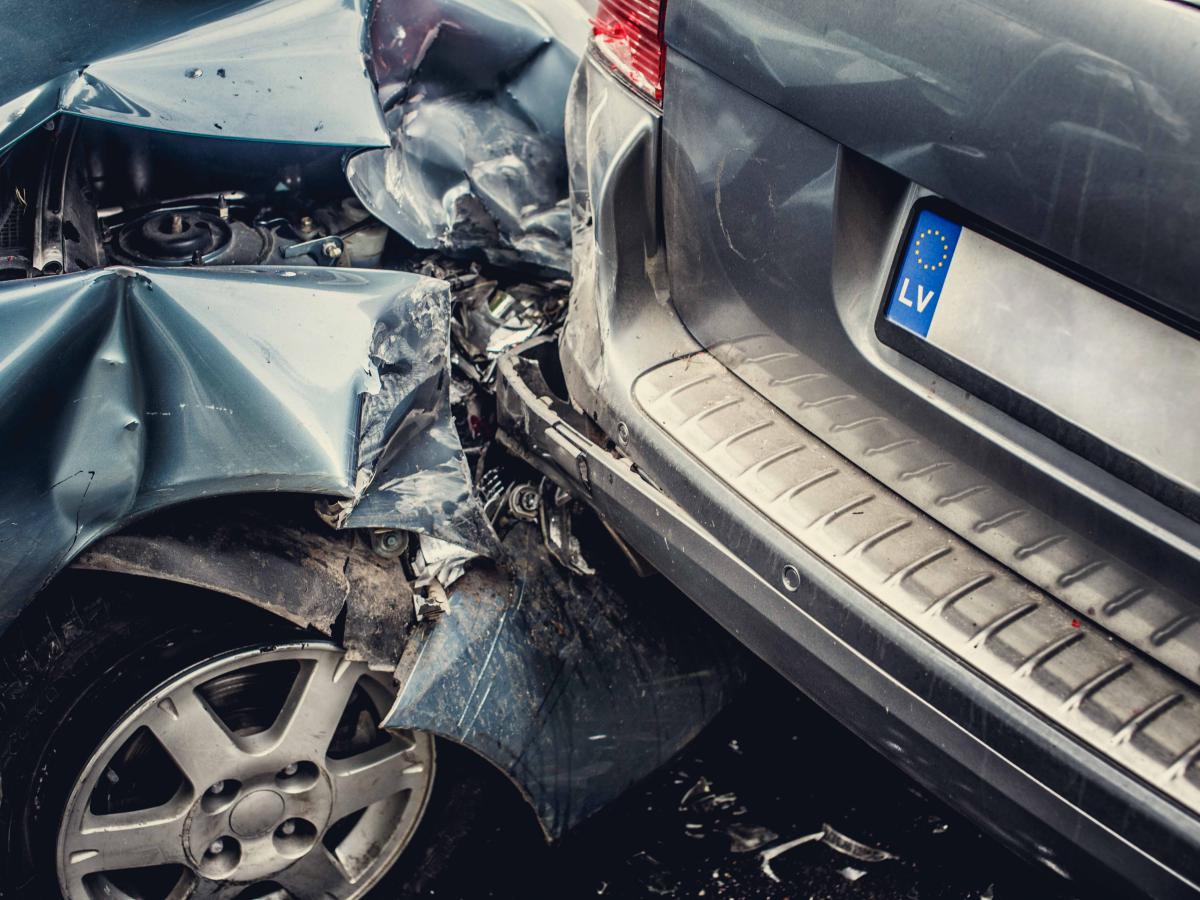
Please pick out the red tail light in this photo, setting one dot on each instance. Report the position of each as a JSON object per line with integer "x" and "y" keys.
{"x": 629, "y": 35}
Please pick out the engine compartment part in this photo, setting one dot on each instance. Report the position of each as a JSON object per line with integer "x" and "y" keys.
{"x": 468, "y": 160}
{"x": 85, "y": 194}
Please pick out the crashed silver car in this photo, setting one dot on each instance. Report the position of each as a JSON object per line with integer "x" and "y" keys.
{"x": 267, "y": 560}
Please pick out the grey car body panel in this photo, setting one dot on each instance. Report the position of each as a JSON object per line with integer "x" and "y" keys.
{"x": 126, "y": 391}
{"x": 473, "y": 95}
{"x": 967, "y": 738}
{"x": 470, "y": 159}
{"x": 1074, "y": 124}
{"x": 775, "y": 231}
{"x": 257, "y": 70}
{"x": 573, "y": 688}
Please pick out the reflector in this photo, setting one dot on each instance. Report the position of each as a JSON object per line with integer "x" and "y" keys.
{"x": 629, "y": 35}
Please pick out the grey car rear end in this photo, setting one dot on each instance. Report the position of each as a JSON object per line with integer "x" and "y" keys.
{"x": 996, "y": 597}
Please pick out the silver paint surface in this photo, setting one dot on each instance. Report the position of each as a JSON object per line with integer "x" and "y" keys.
{"x": 473, "y": 95}
{"x": 125, "y": 391}
{"x": 1074, "y": 124}
{"x": 260, "y": 71}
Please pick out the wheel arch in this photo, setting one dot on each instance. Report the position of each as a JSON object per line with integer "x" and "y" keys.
{"x": 273, "y": 553}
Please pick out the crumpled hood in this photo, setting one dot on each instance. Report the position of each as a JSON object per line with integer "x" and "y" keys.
{"x": 274, "y": 70}
{"x": 123, "y": 391}
{"x": 466, "y": 122}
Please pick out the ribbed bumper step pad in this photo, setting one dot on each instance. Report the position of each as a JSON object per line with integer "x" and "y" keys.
{"x": 1108, "y": 695}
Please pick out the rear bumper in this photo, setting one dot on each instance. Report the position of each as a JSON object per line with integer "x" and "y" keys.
{"x": 966, "y": 735}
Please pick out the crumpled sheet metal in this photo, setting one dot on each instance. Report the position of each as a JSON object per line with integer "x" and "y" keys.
{"x": 124, "y": 391}
{"x": 274, "y": 70}
{"x": 574, "y": 690}
{"x": 474, "y": 93}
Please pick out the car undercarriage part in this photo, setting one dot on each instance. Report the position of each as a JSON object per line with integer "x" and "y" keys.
{"x": 218, "y": 789}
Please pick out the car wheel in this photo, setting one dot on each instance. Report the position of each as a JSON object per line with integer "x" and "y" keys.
{"x": 154, "y": 750}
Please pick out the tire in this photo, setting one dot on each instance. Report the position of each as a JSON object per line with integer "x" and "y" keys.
{"x": 77, "y": 662}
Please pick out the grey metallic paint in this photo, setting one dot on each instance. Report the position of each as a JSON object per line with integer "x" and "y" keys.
{"x": 966, "y": 738}
{"x": 1075, "y": 124}
{"x": 125, "y": 391}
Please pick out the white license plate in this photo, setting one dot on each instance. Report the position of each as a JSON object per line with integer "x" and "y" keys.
{"x": 1097, "y": 363}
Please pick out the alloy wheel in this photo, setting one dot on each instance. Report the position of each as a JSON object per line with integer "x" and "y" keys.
{"x": 257, "y": 774}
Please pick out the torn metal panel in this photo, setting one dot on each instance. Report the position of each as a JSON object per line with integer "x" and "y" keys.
{"x": 279, "y": 70}
{"x": 473, "y": 95}
{"x": 124, "y": 391}
{"x": 573, "y": 689}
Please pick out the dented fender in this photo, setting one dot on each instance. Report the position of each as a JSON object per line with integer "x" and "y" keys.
{"x": 126, "y": 391}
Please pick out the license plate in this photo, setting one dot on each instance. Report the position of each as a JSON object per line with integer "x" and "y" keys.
{"x": 995, "y": 319}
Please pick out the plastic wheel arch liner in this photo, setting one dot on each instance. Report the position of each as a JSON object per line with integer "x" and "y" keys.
{"x": 474, "y": 95}
{"x": 124, "y": 391}
{"x": 574, "y": 689}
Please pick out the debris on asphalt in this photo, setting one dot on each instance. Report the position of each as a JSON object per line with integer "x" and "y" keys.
{"x": 767, "y": 855}
{"x": 748, "y": 838}
{"x": 853, "y": 848}
{"x": 833, "y": 839}
{"x": 702, "y": 788}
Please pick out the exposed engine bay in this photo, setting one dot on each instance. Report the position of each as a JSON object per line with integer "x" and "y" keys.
{"x": 82, "y": 195}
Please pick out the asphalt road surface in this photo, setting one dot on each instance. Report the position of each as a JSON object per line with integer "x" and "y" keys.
{"x": 771, "y": 770}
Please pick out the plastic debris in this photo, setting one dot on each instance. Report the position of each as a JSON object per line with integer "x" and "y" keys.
{"x": 833, "y": 839}
{"x": 852, "y": 874}
{"x": 701, "y": 788}
{"x": 771, "y": 853}
{"x": 748, "y": 838}
{"x": 852, "y": 848}
{"x": 440, "y": 561}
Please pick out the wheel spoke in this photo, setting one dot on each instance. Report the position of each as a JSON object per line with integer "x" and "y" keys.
{"x": 315, "y": 876}
{"x": 314, "y": 706}
{"x": 204, "y": 889}
{"x": 130, "y": 840}
{"x": 373, "y": 776}
{"x": 193, "y": 736}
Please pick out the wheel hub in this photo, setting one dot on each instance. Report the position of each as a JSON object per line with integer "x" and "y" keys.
{"x": 257, "y": 814}
{"x": 248, "y": 827}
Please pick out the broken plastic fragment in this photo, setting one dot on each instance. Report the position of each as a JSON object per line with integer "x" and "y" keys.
{"x": 700, "y": 789}
{"x": 851, "y": 874}
{"x": 769, "y": 854}
{"x": 832, "y": 838}
{"x": 748, "y": 838}
{"x": 852, "y": 848}
{"x": 440, "y": 561}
